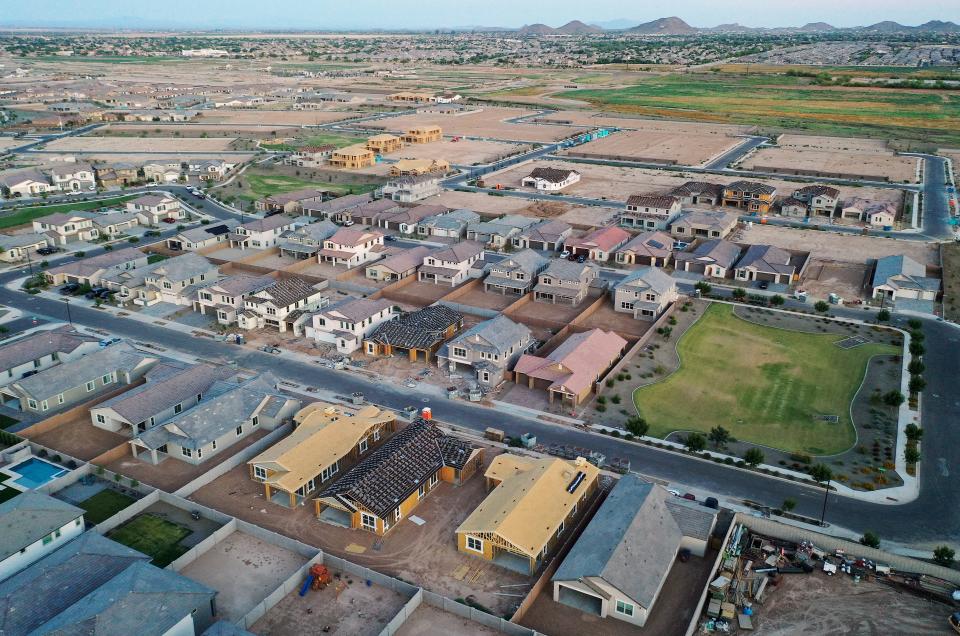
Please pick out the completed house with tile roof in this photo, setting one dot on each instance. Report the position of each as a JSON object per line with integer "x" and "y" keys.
{"x": 650, "y": 248}
{"x": 766, "y": 263}
{"x": 450, "y": 266}
{"x": 67, "y": 227}
{"x": 600, "y": 244}
{"x": 699, "y": 193}
{"x": 399, "y": 265}
{"x": 650, "y": 211}
{"x": 900, "y": 277}
{"x": 261, "y": 233}
{"x": 449, "y": 224}
{"x": 548, "y": 235}
{"x": 712, "y": 258}
{"x": 32, "y": 525}
{"x": 16, "y": 248}
{"x": 695, "y": 224}
{"x": 570, "y": 372}
{"x": 822, "y": 200}
{"x": 645, "y": 293}
{"x": 328, "y": 439}
{"x": 516, "y": 274}
{"x": 153, "y": 209}
{"x": 277, "y": 306}
{"x": 550, "y": 179}
{"x": 499, "y": 232}
{"x": 534, "y": 503}
{"x": 41, "y": 350}
{"x": 564, "y": 282}
{"x": 203, "y": 235}
{"x": 350, "y": 247}
{"x": 385, "y": 488}
{"x": 305, "y": 242}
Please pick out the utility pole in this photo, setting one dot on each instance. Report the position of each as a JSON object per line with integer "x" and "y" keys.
{"x": 826, "y": 493}
{"x": 69, "y": 317}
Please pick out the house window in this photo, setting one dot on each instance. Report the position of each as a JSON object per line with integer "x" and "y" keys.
{"x": 239, "y": 431}
{"x": 186, "y": 452}
{"x": 376, "y": 435}
{"x": 396, "y": 515}
{"x": 213, "y": 444}
{"x": 255, "y": 420}
{"x": 43, "y": 405}
{"x": 625, "y": 305}
{"x": 222, "y": 315}
{"x": 475, "y": 544}
{"x": 177, "y": 408}
{"x": 650, "y": 297}
{"x": 434, "y": 478}
{"x": 199, "y": 453}
{"x": 60, "y": 398}
{"x": 32, "y": 404}
{"x": 91, "y": 385}
{"x": 167, "y": 285}
{"x": 624, "y": 608}
{"x": 560, "y": 529}
{"x": 421, "y": 491}
{"x": 259, "y": 473}
{"x": 485, "y": 376}
{"x": 368, "y": 521}
{"x": 363, "y": 445}
{"x": 460, "y": 352}
{"x": 101, "y": 419}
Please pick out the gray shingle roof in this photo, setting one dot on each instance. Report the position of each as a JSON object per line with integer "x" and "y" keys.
{"x": 285, "y": 292}
{"x": 29, "y": 517}
{"x": 226, "y": 406}
{"x": 55, "y": 380}
{"x": 501, "y": 332}
{"x": 527, "y": 261}
{"x": 206, "y": 232}
{"x": 40, "y": 344}
{"x": 694, "y": 520}
{"x": 767, "y": 258}
{"x": 181, "y": 268}
{"x": 8, "y": 241}
{"x": 356, "y": 309}
{"x": 903, "y": 272}
{"x": 458, "y": 252}
{"x": 88, "y": 266}
{"x": 630, "y": 543}
{"x": 653, "y": 277}
{"x": 567, "y": 270}
{"x": 142, "y": 402}
{"x": 723, "y": 253}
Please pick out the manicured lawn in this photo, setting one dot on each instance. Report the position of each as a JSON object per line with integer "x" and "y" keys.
{"x": 763, "y": 384}
{"x": 782, "y": 102}
{"x": 104, "y": 505}
{"x": 155, "y": 537}
{"x": 156, "y": 258}
{"x": 28, "y": 214}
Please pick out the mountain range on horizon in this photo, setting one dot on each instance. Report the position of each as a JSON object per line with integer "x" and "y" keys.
{"x": 677, "y": 26}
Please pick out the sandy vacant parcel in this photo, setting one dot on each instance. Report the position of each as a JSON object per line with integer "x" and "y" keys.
{"x": 277, "y": 117}
{"x": 464, "y": 152}
{"x": 488, "y": 123}
{"x": 193, "y": 130}
{"x": 871, "y": 165}
{"x": 139, "y": 144}
{"x": 658, "y": 147}
{"x": 838, "y": 247}
{"x": 594, "y": 118}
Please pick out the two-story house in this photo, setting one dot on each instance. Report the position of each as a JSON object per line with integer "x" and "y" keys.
{"x": 516, "y": 274}
{"x": 67, "y": 227}
{"x": 755, "y": 197}
{"x": 650, "y": 211}
{"x": 345, "y": 324}
{"x": 306, "y": 241}
{"x": 289, "y": 202}
{"x": 548, "y": 235}
{"x": 350, "y": 247}
{"x": 699, "y": 193}
{"x": 450, "y": 266}
{"x": 153, "y": 209}
{"x": 412, "y": 188}
{"x": 645, "y": 293}
{"x": 822, "y": 200}
{"x": 703, "y": 224}
{"x": 224, "y": 298}
{"x": 276, "y": 306}
{"x": 598, "y": 245}
{"x": 565, "y": 282}
{"x": 176, "y": 280}
{"x": 261, "y": 233}
{"x": 489, "y": 349}
{"x": 74, "y": 177}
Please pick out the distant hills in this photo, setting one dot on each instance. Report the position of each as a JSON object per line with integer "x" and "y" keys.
{"x": 677, "y": 26}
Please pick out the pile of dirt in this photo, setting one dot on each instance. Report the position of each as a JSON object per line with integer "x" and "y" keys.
{"x": 545, "y": 209}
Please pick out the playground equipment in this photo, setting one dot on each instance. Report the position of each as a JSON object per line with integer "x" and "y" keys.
{"x": 318, "y": 578}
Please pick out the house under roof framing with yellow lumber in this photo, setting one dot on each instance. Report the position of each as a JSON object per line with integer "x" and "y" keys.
{"x": 532, "y": 503}
{"x": 325, "y": 438}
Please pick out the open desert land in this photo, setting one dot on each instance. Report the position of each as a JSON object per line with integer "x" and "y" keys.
{"x": 839, "y": 247}
{"x": 9, "y": 142}
{"x": 465, "y": 152}
{"x": 200, "y": 129}
{"x": 616, "y": 183}
{"x": 779, "y": 102}
{"x": 482, "y": 203}
{"x": 658, "y": 147}
{"x": 136, "y": 157}
{"x": 488, "y": 123}
{"x": 279, "y": 117}
{"x": 139, "y": 144}
{"x": 835, "y": 163}
{"x": 857, "y": 145}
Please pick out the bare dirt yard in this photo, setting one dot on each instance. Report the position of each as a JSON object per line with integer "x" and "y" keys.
{"x": 481, "y": 203}
{"x": 192, "y": 130}
{"x": 80, "y": 439}
{"x": 831, "y": 162}
{"x": 277, "y": 117}
{"x": 346, "y": 606}
{"x": 659, "y": 147}
{"x": 418, "y": 293}
{"x": 488, "y": 123}
{"x": 594, "y": 118}
{"x": 427, "y": 620}
{"x": 838, "y": 247}
{"x": 424, "y": 555}
{"x": 139, "y": 144}
{"x": 244, "y": 570}
{"x": 626, "y": 325}
{"x": 616, "y": 183}
{"x": 831, "y": 606}
{"x": 825, "y": 277}
{"x": 464, "y": 152}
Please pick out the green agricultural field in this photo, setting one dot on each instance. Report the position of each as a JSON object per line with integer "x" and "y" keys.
{"x": 781, "y": 102}
{"x": 258, "y": 186}
{"x": 763, "y": 384}
{"x": 155, "y": 537}
{"x": 23, "y": 216}
{"x": 104, "y": 505}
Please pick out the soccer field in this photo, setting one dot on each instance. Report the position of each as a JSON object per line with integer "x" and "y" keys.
{"x": 765, "y": 385}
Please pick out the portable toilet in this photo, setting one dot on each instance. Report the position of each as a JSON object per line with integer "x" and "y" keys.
{"x": 427, "y": 413}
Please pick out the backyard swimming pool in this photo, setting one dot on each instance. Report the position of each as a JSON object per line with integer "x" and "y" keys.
{"x": 34, "y": 472}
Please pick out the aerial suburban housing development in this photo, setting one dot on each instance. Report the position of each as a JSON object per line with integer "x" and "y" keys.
{"x": 333, "y": 318}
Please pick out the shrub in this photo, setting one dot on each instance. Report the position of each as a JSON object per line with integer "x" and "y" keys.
{"x": 911, "y": 454}
{"x": 637, "y": 426}
{"x": 944, "y": 555}
{"x": 917, "y": 384}
{"x": 913, "y": 432}
{"x": 893, "y": 398}
{"x": 916, "y": 367}
{"x": 821, "y": 307}
{"x": 80, "y": 254}
{"x": 133, "y": 239}
{"x": 615, "y": 399}
{"x": 739, "y": 293}
{"x": 754, "y": 457}
{"x": 917, "y": 348}
{"x": 609, "y": 383}
{"x": 601, "y": 407}
{"x": 870, "y": 539}
{"x": 695, "y": 442}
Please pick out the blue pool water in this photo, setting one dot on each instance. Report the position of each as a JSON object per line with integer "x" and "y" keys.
{"x": 35, "y": 472}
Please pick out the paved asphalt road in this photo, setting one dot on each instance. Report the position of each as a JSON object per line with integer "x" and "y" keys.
{"x": 733, "y": 155}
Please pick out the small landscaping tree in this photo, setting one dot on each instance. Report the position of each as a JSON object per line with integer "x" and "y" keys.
{"x": 917, "y": 348}
{"x": 914, "y": 323}
{"x": 739, "y": 293}
{"x": 695, "y": 442}
{"x": 637, "y": 426}
{"x": 821, "y": 306}
{"x": 916, "y": 367}
{"x": 883, "y": 315}
{"x": 870, "y": 539}
{"x": 913, "y": 432}
{"x": 777, "y": 300}
{"x": 753, "y": 457}
{"x": 917, "y": 384}
{"x": 703, "y": 287}
{"x": 893, "y": 398}
{"x": 719, "y": 436}
{"x": 911, "y": 454}
{"x": 944, "y": 555}
{"x": 788, "y": 505}
{"x": 821, "y": 473}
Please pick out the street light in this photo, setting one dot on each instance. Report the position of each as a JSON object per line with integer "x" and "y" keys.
{"x": 826, "y": 493}
{"x": 69, "y": 317}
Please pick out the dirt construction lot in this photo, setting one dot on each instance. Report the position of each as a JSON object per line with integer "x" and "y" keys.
{"x": 244, "y": 570}
{"x": 488, "y": 123}
{"x": 831, "y": 606}
{"x": 276, "y": 117}
{"x": 422, "y": 555}
{"x": 837, "y": 247}
{"x": 616, "y": 183}
{"x": 594, "y": 118}
{"x": 192, "y": 130}
{"x": 464, "y": 152}
{"x": 80, "y": 439}
{"x": 139, "y": 144}
{"x": 828, "y": 163}
{"x": 834, "y": 277}
{"x": 662, "y": 147}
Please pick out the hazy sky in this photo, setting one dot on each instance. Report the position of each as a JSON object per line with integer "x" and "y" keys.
{"x": 387, "y": 14}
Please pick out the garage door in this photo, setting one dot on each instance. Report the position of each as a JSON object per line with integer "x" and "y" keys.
{"x": 579, "y": 600}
